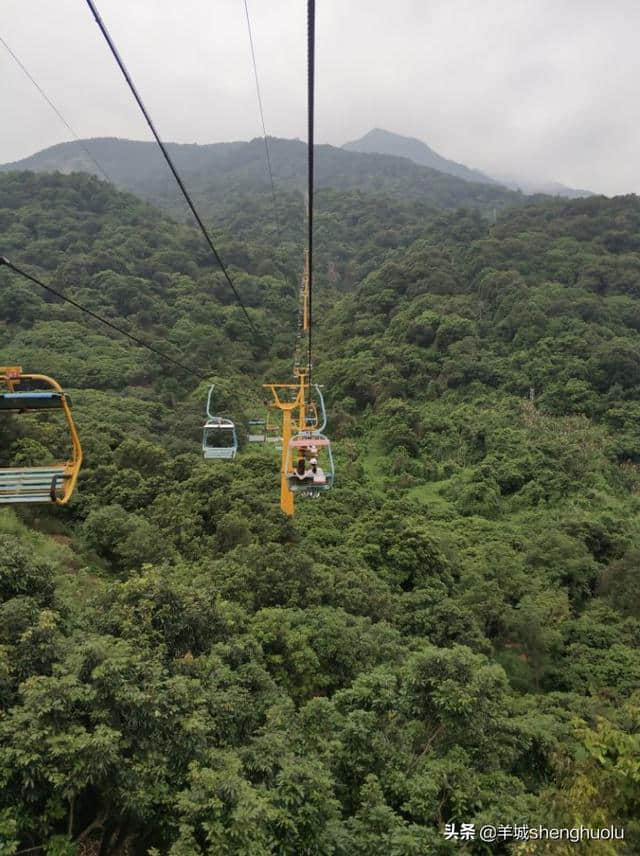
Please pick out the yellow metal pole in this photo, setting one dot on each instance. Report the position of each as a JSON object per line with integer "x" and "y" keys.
{"x": 288, "y": 424}
{"x": 286, "y": 496}
{"x": 302, "y": 409}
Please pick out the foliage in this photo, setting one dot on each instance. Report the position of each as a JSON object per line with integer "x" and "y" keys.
{"x": 449, "y": 635}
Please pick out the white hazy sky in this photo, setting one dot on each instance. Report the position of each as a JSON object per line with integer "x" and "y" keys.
{"x": 544, "y": 89}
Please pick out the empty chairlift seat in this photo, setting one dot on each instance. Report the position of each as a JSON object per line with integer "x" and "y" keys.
{"x": 257, "y": 431}
{"x": 219, "y": 439}
{"x": 47, "y": 483}
{"x": 33, "y": 484}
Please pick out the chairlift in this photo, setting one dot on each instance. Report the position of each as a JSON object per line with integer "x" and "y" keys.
{"x": 309, "y": 466}
{"x": 219, "y": 438}
{"x": 311, "y": 416}
{"x": 51, "y": 483}
{"x": 264, "y": 431}
{"x": 257, "y": 431}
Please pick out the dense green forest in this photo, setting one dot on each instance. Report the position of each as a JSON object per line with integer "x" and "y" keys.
{"x": 451, "y": 635}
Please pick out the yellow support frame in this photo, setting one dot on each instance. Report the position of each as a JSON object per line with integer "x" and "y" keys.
{"x": 297, "y": 394}
{"x": 288, "y": 408}
{"x": 12, "y": 376}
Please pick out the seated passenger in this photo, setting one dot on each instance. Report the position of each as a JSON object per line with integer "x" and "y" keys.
{"x": 317, "y": 472}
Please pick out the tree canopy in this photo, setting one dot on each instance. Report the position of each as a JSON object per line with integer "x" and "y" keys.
{"x": 450, "y": 635}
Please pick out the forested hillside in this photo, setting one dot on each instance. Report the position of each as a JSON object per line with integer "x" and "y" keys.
{"x": 451, "y": 635}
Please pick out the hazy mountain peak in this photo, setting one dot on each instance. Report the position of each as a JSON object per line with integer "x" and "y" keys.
{"x": 384, "y": 142}
{"x": 380, "y": 141}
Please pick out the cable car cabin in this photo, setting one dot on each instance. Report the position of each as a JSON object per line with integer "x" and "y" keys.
{"x": 47, "y": 483}
{"x": 219, "y": 439}
{"x": 310, "y": 469}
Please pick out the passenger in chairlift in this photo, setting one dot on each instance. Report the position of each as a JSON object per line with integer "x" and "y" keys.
{"x": 317, "y": 472}
{"x": 301, "y": 466}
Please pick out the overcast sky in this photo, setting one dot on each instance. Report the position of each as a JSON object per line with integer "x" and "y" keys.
{"x": 544, "y": 89}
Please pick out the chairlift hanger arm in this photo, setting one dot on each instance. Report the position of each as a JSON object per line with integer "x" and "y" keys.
{"x": 209, "y": 413}
{"x": 286, "y": 405}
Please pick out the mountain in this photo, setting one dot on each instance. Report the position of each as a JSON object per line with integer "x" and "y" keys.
{"x": 219, "y": 171}
{"x": 385, "y": 142}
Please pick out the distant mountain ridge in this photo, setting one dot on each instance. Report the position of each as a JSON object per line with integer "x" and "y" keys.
{"x": 386, "y": 142}
{"x": 216, "y": 170}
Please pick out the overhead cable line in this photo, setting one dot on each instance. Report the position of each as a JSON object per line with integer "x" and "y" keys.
{"x": 57, "y": 112}
{"x": 311, "y": 40}
{"x": 264, "y": 130}
{"x": 168, "y": 159}
{"x": 140, "y": 342}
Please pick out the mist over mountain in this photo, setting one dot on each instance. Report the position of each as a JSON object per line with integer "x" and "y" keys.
{"x": 548, "y": 188}
{"x": 386, "y": 142}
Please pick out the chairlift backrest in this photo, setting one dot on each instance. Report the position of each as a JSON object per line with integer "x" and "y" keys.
{"x": 32, "y": 401}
